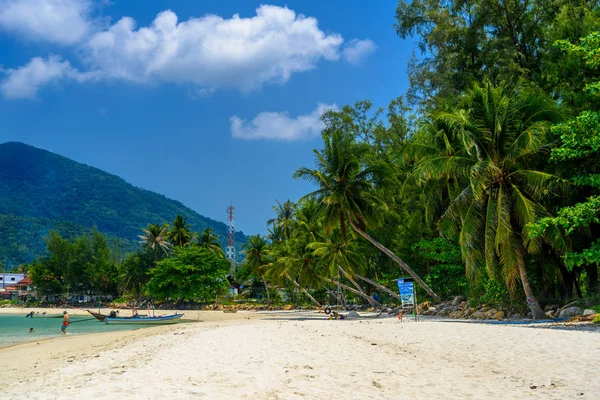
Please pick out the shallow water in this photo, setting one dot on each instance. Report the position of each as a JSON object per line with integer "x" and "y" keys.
{"x": 14, "y": 329}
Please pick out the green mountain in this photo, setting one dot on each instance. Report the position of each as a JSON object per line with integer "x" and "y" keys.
{"x": 40, "y": 191}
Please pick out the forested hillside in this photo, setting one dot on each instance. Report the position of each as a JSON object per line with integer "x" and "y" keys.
{"x": 40, "y": 191}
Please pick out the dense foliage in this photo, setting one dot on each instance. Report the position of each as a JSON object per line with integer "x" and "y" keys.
{"x": 191, "y": 273}
{"x": 160, "y": 269}
{"x": 487, "y": 188}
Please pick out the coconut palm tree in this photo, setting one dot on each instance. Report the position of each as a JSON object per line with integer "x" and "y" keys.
{"x": 179, "y": 232}
{"x": 257, "y": 259}
{"x": 156, "y": 238}
{"x": 346, "y": 190}
{"x": 501, "y": 138}
{"x": 284, "y": 218}
{"x": 210, "y": 240}
{"x": 338, "y": 256}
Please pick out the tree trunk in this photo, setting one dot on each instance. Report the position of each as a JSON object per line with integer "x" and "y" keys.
{"x": 267, "y": 289}
{"x": 566, "y": 286}
{"x": 304, "y": 291}
{"x": 350, "y": 289}
{"x": 532, "y": 303}
{"x": 380, "y": 287}
{"x": 398, "y": 261}
{"x": 360, "y": 289}
{"x": 593, "y": 288}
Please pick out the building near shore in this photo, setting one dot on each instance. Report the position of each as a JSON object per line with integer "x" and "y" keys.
{"x": 10, "y": 279}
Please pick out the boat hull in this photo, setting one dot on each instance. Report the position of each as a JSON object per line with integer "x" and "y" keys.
{"x": 162, "y": 320}
{"x": 98, "y": 316}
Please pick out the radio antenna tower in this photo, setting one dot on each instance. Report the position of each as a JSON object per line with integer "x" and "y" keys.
{"x": 230, "y": 252}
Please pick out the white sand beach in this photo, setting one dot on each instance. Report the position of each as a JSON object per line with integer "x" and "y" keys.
{"x": 303, "y": 355}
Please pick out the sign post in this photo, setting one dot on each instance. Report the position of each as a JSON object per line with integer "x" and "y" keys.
{"x": 406, "y": 287}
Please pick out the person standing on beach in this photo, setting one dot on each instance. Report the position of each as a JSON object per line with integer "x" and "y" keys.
{"x": 65, "y": 322}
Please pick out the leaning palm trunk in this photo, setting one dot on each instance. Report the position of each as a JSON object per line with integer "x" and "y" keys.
{"x": 350, "y": 289}
{"x": 380, "y": 287}
{"x": 267, "y": 289}
{"x": 532, "y": 303}
{"x": 360, "y": 289}
{"x": 303, "y": 291}
{"x": 397, "y": 260}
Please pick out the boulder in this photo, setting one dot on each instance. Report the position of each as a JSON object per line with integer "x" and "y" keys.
{"x": 352, "y": 315}
{"x": 570, "y": 312}
{"x": 478, "y": 315}
{"x": 499, "y": 315}
{"x": 588, "y": 312}
{"x": 287, "y": 307}
{"x": 458, "y": 299}
{"x": 444, "y": 312}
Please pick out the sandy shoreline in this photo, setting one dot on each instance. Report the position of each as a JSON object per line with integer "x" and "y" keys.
{"x": 301, "y": 354}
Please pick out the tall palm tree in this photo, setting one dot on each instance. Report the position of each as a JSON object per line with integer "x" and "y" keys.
{"x": 284, "y": 218}
{"x": 346, "y": 190}
{"x": 257, "y": 259}
{"x": 338, "y": 256}
{"x": 180, "y": 233}
{"x": 156, "y": 238}
{"x": 501, "y": 134}
{"x": 210, "y": 240}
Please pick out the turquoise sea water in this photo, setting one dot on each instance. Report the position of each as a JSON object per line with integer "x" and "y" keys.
{"x": 14, "y": 329}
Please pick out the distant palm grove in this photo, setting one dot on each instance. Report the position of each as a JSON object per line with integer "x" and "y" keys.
{"x": 481, "y": 181}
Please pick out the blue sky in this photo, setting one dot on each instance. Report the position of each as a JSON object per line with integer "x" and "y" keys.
{"x": 206, "y": 102}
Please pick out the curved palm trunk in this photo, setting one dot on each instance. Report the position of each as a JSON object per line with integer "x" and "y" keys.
{"x": 267, "y": 289}
{"x": 380, "y": 287}
{"x": 304, "y": 291}
{"x": 397, "y": 260}
{"x": 360, "y": 289}
{"x": 350, "y": 289}
{"x": 532, "y": 303}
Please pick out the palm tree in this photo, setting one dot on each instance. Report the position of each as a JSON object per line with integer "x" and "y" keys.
{"x": 257, "y": 259}
{"x": 156, "y": 238}
{"x": 501, "y": 138}
{"x": 180, "y": 233}
{"x": 338, "y": 256}
{"x": 284, "y": 218}
{"x": 346, "y": 190}
{"x": 210, "y": 240}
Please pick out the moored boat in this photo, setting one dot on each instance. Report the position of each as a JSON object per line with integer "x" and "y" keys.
{"x": 100, "y": 317}
{"x": 144, "y": 320}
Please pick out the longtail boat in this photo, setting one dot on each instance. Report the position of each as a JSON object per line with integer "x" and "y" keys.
{"x": 98, "y": 316}
{"x": 144, "y": 320}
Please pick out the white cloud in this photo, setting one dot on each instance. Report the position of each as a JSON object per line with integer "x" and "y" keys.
{"x": 210, "y": 51}
{"x": 60, "y": 21}
{"x": 280, "y": 126}
{"x": 356, "y": 50}
{"x": 206, "y": 53}
{"x": 24, "y": 83}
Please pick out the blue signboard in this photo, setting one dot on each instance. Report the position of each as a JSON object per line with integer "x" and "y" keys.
{"x": 407, "y": 292}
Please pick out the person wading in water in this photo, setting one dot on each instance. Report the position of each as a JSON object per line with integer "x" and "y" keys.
{"x": 65, "y": 322}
